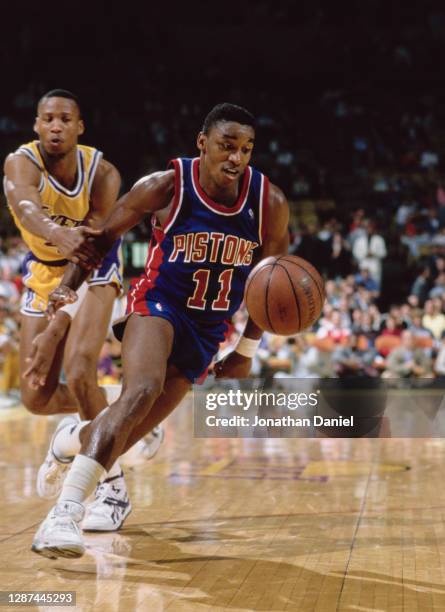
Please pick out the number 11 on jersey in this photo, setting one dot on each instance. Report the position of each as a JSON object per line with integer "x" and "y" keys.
{"x": 201, "y": 278}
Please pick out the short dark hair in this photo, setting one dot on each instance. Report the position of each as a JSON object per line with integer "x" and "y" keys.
{"x": 61, "y": 93}
{"x": 228, "y": 112}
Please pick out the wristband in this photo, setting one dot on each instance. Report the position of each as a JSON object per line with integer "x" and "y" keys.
{"x": 247, "y": 347}
{"x": 71, "y": 309}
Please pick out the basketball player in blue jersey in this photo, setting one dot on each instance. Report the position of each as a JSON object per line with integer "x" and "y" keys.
{"x": 213, "y": 217}
{"x": 55, "y": 189}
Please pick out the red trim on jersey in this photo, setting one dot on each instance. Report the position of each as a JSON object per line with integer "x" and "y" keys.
{"x": 264, "y": 208}
{"x": 177, "y": 196}
{"x": 136, "y": 298}
{"x": 153, "y": 263}
{"x": 220, "y": 207}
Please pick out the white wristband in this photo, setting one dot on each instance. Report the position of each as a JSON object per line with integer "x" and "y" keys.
{"x": 71, "y": 309}
{"x": 247, "y": 347}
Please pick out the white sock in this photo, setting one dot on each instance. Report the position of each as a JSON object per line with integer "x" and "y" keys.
{"x": 66, "y": 442}
{"x": 81, "y": 479}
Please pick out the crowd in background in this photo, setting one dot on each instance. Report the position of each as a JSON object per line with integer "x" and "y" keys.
{"x": 359, "y": 152}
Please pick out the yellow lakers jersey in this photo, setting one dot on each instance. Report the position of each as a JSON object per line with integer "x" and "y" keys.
{"x": 64, "y": 206}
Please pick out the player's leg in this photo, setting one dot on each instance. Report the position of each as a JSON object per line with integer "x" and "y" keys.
{"x": 111, "y": 504}
{"x": 53, "y": 397}
{"x": 85, "y": 340}
{"x": 146, "y": 346}
{"x": 175, "y": 389}
{"x": 105, "y": 438}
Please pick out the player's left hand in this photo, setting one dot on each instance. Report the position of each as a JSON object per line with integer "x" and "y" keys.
{"x": 233, "y": 365}
{"x": 58, "y": 298}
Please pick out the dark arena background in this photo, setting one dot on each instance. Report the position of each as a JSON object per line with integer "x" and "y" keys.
{"x": 350, "y": 106}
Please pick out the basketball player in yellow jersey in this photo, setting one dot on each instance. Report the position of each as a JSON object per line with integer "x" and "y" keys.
{"x": 56, "y": 189}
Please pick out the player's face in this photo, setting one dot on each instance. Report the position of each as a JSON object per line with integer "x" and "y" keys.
{"x": 226, "y": 151}
{"x": 58, "y": 125}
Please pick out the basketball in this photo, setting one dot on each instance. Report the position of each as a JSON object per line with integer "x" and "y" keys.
{"x": 284, "y": 295}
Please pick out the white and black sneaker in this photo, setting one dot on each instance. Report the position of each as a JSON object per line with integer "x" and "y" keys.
{"x": 53, "y": 470}
{"x": 110, "y": 507}
{"x": 59, "y": 535}
{"x": 144, "y": 450}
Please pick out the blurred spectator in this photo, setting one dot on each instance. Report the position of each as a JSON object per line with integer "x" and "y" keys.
{"x": 407, "y": 360}
{"x": 421, "y": 285}
{"x": 433, "y": 319}
{"x": 9, "y": 357}
{"x": 333, "y": 328}
{"x": 369, "y": 249}
{"x": 356, "y": 358}
{"x": 404, "y": 212}
{"x": 364, "y": 279}
{"x": 439, "y": 287}
{"x": 439, "y": 364}
{"x": 340, "y": 258}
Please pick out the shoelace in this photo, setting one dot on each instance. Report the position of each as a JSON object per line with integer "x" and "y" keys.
{"x": 64, "y": 525}
{"x": 104, "y": 493}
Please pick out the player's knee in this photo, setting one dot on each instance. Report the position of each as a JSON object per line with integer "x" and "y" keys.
{"x": 140, "y": 397}
{"x": 35, "y": 403}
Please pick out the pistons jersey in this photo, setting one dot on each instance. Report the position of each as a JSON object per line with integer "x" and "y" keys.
{"x": 199, "y": 260}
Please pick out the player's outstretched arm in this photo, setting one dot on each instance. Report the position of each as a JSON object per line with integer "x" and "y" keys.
{"x": 104, "y": 194}
{"x": 238, "y": 363}
{"x": 150, "y": 195}
{"x": 21, "y": 184}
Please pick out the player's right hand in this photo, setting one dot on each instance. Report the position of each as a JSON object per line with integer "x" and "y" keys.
{"x": 58, "y": 298}
{"x": 39, "y": 361}
{"x": 76, "y": 244}
{"x": 233, "y": 365}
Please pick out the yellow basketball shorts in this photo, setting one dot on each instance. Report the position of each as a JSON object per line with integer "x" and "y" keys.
{"x": 40, "y": 279}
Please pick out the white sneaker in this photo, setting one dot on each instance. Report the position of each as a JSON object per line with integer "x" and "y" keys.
{"x": 152, "y": 442}
{"x": 53, "y": 470}
{"x": 59, "y": 535}
{"x": 144, "y": 450}
{"x": 110, "y": 508}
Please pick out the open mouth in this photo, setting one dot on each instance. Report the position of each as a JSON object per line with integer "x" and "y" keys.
{"x": 55, "y": 141}
{"x": 232, "y": 173}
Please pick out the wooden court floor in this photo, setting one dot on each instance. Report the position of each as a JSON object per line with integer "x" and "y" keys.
{"x": 233, "y": 524}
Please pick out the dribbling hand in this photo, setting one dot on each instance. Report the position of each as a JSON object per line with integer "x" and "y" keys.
{"x": 233, "y": 365}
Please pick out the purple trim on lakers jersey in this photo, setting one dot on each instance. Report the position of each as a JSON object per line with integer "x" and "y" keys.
{"x": 80, "y": 179}
{"x": 30, "y": 155}
{"x": 220, "y": 208}
{"x": 93, "y": 167}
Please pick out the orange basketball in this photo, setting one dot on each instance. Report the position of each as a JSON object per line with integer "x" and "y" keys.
{"x": 284, "y": 295}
